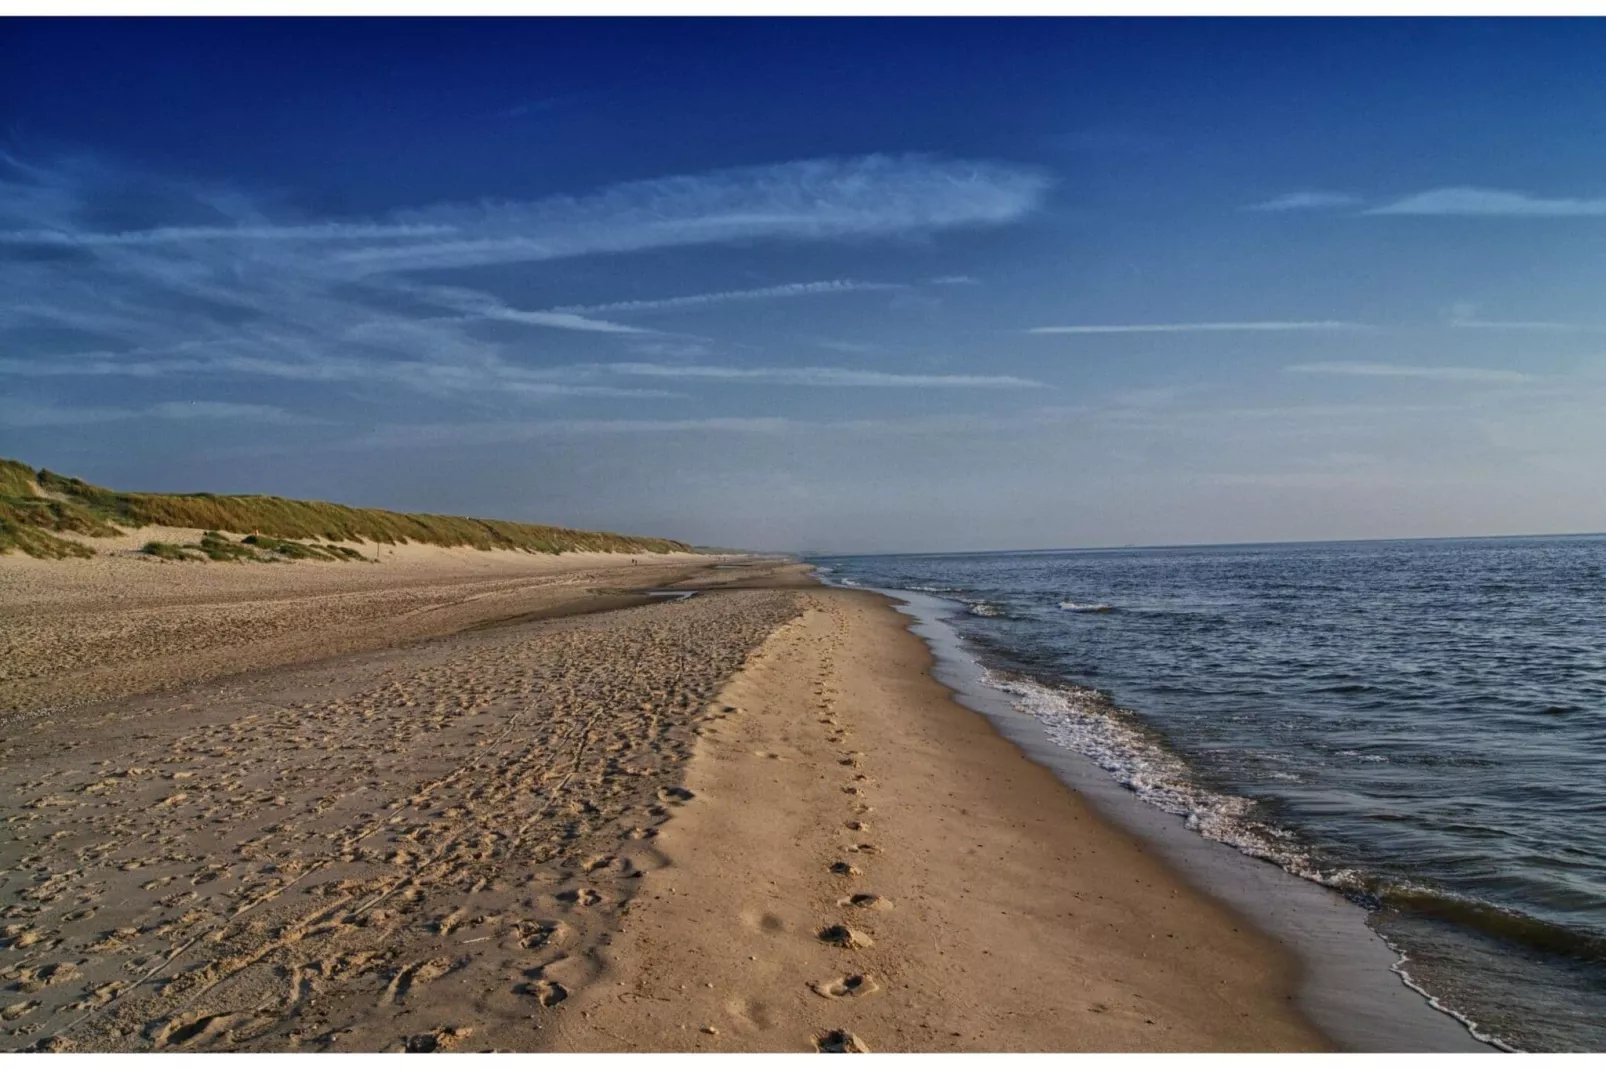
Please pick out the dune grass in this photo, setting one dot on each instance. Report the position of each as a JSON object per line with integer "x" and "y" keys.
{"x": 35, "y": 503}
{"x": 216, "y": 546}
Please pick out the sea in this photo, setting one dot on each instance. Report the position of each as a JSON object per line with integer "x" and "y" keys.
{"x": 1419, "y": 725}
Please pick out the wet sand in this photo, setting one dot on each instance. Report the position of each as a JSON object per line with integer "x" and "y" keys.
{"x": 747, "y": 820}
{"x": 864, "y": 864}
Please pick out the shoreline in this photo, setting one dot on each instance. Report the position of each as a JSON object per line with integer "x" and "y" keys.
{"x": 1351, "y": 984}
{"x": 866, "y": 864}
{"x": 587, "y": 817}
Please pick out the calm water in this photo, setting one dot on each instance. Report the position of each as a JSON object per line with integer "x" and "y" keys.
{"x": 1420, "y": 724}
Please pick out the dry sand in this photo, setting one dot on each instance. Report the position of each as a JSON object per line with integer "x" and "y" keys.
{"x": 749, "y": 820}
{"x": 123, "y": 623}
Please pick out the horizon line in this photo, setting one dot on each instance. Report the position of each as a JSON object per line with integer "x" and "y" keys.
{"x": 1194, "y": 545}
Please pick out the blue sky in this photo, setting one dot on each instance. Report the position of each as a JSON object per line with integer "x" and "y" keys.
{"x": 836, "y": 285}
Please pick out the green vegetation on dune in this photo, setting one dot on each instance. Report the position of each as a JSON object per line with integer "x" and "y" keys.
{"x": 35, "y": 503}
{"x": 36, "y": 542}
{"x": 16, "y": 479}
{"x": 217, "y": 546}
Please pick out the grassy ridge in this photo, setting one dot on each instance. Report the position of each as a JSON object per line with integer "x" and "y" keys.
{"x": 33, "y": 504}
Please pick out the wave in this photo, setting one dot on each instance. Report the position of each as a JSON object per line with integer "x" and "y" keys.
{"x": 1512, "y": 926}
{"x": 986, "y": 609}
{"x": 1087, "y": 607}
{"x": 1087, "y": 722}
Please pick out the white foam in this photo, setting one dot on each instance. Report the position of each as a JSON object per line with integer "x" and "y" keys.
{"x": 1084, "y": 721}
{"x": 1086, "y": 607}
{"x": 985, "y": 609}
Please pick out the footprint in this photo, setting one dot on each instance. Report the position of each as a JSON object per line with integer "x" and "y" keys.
{"x": 538, "y": 934}
{"x": 842, "y": 936}
{"x": 839, "y": 1040}
{"x": 866, "y": 901}
{"x": 17, "y": 1010}
{"x": 857, "y": 984}
{"x": 845, "y": 869}
{"x": 546, "y": 993}
{"x": 857, "y": 826}
{"x": 674, "y": 794}
{"x": 583, "y": 897}
{"x": 443, "y": 1039}
{"x": 187, "y": 1029}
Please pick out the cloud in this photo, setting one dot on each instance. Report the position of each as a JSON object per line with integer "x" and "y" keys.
{"x": 1411, "y": 371}
{"x": 767, "y": 293}
{"x": 501, "y": 431}
{"x": 809, "y": 200}
{"x": 1473, "y": 201}
{"x": 824, "y": 377}
{"x": 110, "y": 273}
{"x": 317, "y": 233}
{"x": 1188, "y": 328}
{"x": 476, "y": 305}
{"x": 1304, "y": 201}
{"x": 228, "y": 410}
{"x": 1473, "y": 323}
{"x": 1464, "y": 314}
{"x": 955, "y": 280}
{"x": 20, "y": 414}
{"x": 857, "y": 348}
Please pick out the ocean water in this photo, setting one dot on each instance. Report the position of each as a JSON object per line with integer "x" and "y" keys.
{"x": 1419, "y": 724}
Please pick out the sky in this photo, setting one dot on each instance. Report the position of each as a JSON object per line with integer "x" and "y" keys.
{"x": 828, "y": 285}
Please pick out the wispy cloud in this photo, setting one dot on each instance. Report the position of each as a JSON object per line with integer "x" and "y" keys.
{"x": 767, "y": 293}
{"x": 1411, "y": 371}
{"x": 475, "y": 305}
{"x": 809, "y": 200}
{"x": 111, "y": 274}
{"x": 425, "y": 377}
{"x": 504, "y": 431}
{"x": 23, "y": 414}
{"x": 1474, "y": 201}
{"x": 1465, "y": 315}
{"x": 813, "y": 376}
{"x": 228, "y": 410}
{"x": 856, "y": 348}
{"x": 1305, "y": 201}
{"x": 1475, "y": 323}
{"x": 1189, "y": 328}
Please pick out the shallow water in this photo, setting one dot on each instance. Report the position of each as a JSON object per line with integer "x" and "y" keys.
{"x": 1421, "y": 724}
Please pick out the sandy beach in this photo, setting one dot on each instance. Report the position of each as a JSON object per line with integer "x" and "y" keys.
{"x": 490, "y": 809}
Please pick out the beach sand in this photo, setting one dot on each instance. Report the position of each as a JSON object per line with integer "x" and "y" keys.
{"x": 123, "y": 623}
{"x": 747, "y": 820}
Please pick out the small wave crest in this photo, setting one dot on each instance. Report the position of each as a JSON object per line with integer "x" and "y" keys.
{"x": 986, "y": 609}
{"x": 1085, "y": 721}
{"x": 1086, "y": 607}
{"x": 1502, "y": 923}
